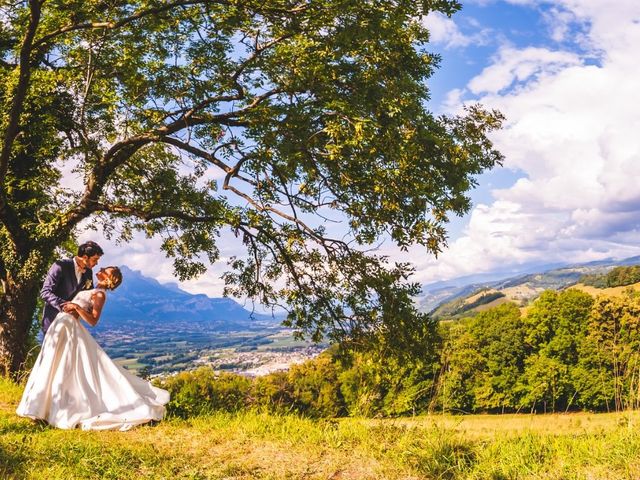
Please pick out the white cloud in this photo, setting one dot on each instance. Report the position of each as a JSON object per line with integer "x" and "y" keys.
{"x": 513, "y": 66}
{"x": 445, "y": 31}
{"x": 559, "y": 22}
{"x": 572, "y": 131}
{"x": 608, "y": 22}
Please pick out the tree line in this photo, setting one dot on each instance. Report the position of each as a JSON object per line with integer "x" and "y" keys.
{"x": 568, "y": 351}
{"x": 616, "y": 277}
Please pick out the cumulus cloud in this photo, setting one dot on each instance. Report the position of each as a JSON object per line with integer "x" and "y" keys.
{"x": 572, "y": 131}
{"x": 445, "y": 31}
{"x": 514, "y": 67}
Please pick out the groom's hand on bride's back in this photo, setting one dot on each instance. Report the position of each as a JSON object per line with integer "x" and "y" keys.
{"x": 68, "y": 307}
{"x": 71, "y": 309}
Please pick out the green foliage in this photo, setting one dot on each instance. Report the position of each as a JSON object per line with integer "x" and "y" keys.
{"x": 334, "y": 384}
{"x": 500, "y": 338}
{"x": 617, "y": 277}
{"x": 611, "y": 351}
{"x": 462, "y": 367}
{"x": 203, "y": 391}
{"x": 310, "y": 389}
{"x": 316, "y": 391}
{"x": 622, "y": 276}
{"x": 184, "y": 119}
{"x": 372, "y": 385}
{"x": 597, "y": 280}
{"x": 568, "y": 352}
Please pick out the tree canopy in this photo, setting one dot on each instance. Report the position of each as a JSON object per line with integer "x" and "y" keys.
{"x": 187, "y": 117}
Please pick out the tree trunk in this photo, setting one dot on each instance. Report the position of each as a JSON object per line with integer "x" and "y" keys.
{"x": 17, "y": 307}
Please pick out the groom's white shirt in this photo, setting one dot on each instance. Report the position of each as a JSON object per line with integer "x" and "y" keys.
{"x": 79, "y": 271}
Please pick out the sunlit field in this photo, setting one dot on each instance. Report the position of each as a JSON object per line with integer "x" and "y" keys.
{"x": 256, "y": 445}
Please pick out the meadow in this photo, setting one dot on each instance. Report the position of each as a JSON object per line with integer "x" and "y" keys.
{"x": 255, "y": 445}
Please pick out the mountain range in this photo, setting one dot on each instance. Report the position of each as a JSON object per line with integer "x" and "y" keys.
{"x": 446, "y": 297}
{"x": 141, "y": 298}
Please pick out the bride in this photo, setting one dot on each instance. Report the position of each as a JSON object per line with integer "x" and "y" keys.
{"x": 74, "y": 383}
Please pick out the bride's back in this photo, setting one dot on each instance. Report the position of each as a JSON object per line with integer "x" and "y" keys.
{"x": 83, "y": 298}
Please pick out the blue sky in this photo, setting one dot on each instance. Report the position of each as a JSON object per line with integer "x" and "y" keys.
{"x": 484, "y": 26}
{"x": 565, "y": 74}
{"x": 487, "y": 26}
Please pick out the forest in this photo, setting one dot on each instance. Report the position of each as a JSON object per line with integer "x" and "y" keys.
{"x": 567, "y": 351}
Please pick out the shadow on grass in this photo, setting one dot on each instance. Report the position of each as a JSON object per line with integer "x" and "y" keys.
{"x": 11, "y": 463}
{"x": 15, "y": 443}
{"x": 23, "y": 426}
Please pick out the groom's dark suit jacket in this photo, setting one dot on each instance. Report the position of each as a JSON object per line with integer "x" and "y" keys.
{"x": 61, "y": 285}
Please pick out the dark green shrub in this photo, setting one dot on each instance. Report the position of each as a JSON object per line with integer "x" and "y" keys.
{"x": 315, "y": 389}
{"x": 203, "y": 390}
{"x": 272, "y": 392}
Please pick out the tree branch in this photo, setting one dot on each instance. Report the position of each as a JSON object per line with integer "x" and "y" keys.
{"x": 296, "y": 275}
{"x": 256, "y": 53}
{"x": 119, "y": 153}
{"x": 148, "y": 215}
{"x": 229, "y": 116}
{"x": 20, "y": 89}
{"x": 296, "y": 221}
{"x": 113, "y": 25}
{"x": 197, "y": 152}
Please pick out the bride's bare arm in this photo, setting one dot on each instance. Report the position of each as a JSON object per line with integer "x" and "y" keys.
{"x": 91, "y": 317}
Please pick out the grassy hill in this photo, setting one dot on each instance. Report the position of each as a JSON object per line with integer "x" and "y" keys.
{"x": 259, "y": 446}
{"x": 478, "y": 301}
{"x": 610, "y": 291}
{"x": 524, "y": 289}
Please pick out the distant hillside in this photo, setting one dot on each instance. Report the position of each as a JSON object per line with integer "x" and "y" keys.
{"x": 436, "y": 293}
{"x": 609, "y": 291}
{"x": 142, "y": 298}
{"x": 478, "y": 301}
{"x": 616, "y": 277}
{"x": 454, "y": 300}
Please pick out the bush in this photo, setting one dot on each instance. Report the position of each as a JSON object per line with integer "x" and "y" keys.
{"x": 273, "y": 393}
{"x": 315, "y": 389}
{"x": 203, "y": 391}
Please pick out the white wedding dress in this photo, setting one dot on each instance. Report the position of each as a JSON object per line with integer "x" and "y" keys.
{"x": 74, "y": 383}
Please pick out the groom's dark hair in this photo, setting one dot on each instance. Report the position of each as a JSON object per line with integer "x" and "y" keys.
{"x": 89, "y": 249}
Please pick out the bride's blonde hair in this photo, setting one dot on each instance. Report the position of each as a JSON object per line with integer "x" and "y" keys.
{"x": 115, "y": 278}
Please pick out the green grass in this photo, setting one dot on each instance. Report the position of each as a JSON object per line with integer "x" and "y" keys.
{"x": 255, "y": 445}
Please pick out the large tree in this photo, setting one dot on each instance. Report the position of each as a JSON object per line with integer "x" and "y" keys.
{"x": 186, "y": 117}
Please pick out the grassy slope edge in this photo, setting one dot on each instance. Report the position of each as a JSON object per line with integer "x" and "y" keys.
{"x": 254, "y": 445}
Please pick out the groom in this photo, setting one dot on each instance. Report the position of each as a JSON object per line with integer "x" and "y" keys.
{"x": 67, "y": 277}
